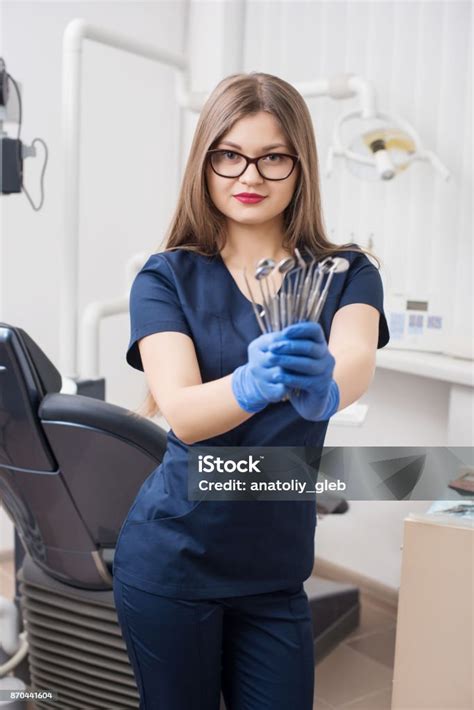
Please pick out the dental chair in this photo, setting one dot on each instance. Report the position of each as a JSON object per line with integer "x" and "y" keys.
{"x": 70, "y": 468}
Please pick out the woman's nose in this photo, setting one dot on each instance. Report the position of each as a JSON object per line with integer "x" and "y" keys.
{"x": 251, "y": 174}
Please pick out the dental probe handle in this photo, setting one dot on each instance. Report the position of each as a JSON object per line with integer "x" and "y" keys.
{"x": 254, "y": 306}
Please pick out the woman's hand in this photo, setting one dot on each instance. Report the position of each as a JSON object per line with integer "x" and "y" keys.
{"x": 302, "y": 352}
{"x": 259, "y": 381}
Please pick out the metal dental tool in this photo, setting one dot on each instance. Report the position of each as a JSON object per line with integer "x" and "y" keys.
{"x": 331, "y": 266}
{"x": 284, "y": 266}
{"x": 275, "y": 299}
{"x": 269, "y": 263}
{"x": 272, "y": 301}
{"x": 303, "y": 266}
{"x": 306, "y": 289}
{"x": 261, "y": 273}
{"x": 302, "y": 300}
{"x": 255, "y": 306}
{"x": 315, "y": 288}
{"x": 293, "y": 296}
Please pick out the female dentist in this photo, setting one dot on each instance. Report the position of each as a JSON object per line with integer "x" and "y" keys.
{"x": 209, "y": 594}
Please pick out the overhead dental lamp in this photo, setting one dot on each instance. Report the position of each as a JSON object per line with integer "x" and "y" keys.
{"x": 381, "y": 147}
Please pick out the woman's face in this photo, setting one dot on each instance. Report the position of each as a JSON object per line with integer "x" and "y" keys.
{"x": 253, "y": 136}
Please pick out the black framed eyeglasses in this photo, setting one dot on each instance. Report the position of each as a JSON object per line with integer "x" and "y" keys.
{"x": 272, "y": 166}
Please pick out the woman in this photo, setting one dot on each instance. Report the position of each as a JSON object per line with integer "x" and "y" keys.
{"x": 210, "y": 594}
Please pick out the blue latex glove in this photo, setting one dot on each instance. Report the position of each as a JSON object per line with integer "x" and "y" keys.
{"x": 308, "y": 366}
{"x": 259, "y": 381}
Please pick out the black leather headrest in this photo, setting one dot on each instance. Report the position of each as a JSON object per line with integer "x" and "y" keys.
{"x": 49, "y": 377}
{"x": 26, "y": 378}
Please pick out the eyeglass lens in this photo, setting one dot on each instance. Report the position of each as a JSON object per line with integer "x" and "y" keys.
{"x": 272, "y": 166}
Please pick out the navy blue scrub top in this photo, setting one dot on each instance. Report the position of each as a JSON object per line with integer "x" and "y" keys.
{"x": 169, "y": 545}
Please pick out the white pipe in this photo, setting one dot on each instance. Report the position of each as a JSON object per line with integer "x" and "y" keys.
{"x": 94, "y": 313}
{"x": 68, "y": 386}
{"x": 71, "y": 87}
{"x": 77, "y": 30}
{"x": 9, "y": 626}
{"x": 17, "y": 658}
{"x": 90, "y": 325}
{"x": 192, "y": 100}
{"x": 365, "y": 90}
{"x": 133, "y": 266}
{"x": 342, "y": 86}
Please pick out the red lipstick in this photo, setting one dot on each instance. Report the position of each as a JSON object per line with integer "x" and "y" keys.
{"x": 249, "y": 198}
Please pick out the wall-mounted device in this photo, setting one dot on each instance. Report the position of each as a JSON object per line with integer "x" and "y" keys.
{"x": 416, "y": 322}
{"x": 12, "y": 150}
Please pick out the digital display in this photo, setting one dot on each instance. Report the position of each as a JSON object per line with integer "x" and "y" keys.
{"x": 417, "y": 305}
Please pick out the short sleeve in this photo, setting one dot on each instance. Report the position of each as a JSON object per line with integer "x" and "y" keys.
{"x": 364, "y": 285}
{"x": 154, "y": 306}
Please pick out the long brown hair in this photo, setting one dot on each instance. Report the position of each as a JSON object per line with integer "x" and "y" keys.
{"x": 198, "y": 225}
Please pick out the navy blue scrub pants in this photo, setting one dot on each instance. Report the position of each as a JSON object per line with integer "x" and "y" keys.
{"x": 257, "y": 649}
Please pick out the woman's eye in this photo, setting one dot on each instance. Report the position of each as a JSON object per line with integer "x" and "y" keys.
{"x": 273, "y": 155}
{"x": 226, "y": 153}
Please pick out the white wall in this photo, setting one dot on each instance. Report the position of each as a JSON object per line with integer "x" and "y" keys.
{"x": 416, "y": 54}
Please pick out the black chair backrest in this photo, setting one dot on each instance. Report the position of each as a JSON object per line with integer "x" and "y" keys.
{"x": 70, "y": 466}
